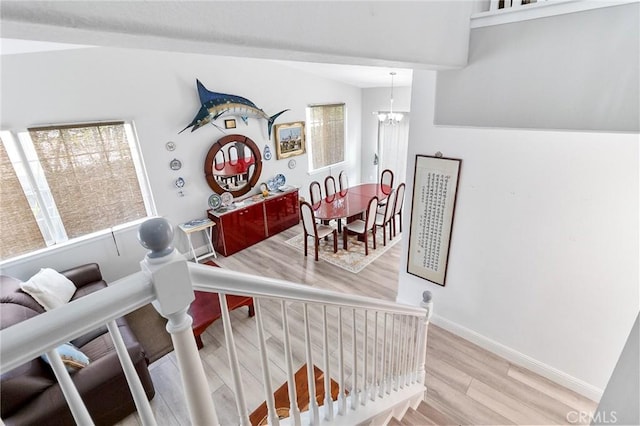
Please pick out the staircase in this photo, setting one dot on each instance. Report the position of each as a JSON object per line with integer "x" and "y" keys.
{"x": 368, "y": 354}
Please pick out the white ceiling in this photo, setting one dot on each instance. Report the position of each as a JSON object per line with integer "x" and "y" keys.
{"x": 355, "y": 75}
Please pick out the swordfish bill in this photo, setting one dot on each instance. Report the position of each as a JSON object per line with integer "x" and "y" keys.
{"x": 214, "y": 105}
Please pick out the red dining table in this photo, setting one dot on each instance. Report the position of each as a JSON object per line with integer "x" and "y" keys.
{"x": 350, "y": 202}
{"x": 233, "y": 168}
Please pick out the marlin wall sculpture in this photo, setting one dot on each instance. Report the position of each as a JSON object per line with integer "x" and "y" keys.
{"x": 215, "y": 105}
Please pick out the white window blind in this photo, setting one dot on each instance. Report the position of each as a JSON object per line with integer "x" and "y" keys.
{"x": 18, "y": 226}
{"x": 79, "y": 179}
{"x": 325, "y": 124}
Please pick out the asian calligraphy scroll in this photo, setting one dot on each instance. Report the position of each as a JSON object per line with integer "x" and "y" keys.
{"x": 434, "y": 197}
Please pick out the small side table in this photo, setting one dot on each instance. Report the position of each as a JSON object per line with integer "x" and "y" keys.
{"x": 205, "y": 310}
{"x": 199, "y": 225}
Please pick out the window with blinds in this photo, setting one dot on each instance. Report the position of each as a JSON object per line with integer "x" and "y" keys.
{"x": 79, "y": 179}
{"x": 325, "y": 127}
{"x": 18, "y": 225}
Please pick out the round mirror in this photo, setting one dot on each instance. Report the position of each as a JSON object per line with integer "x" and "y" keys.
{"x": 233, "y": 164}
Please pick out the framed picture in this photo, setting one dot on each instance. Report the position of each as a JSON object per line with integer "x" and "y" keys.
{"x": 289, "y": 139}
{"x": 435, "y": 187}
{"x": 230, "y": 123}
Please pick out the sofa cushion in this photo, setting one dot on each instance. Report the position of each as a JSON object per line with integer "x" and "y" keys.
{"x": 88, "y": 289}
{"x": 49, "y": 288}
{"x": 84, "y": 274}
{"x": 10, "y": 293}
{"x": 19, "y": 390}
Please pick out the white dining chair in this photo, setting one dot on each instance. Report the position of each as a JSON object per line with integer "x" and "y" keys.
{"x": 315, "y": 192}
{"x": 362, "y": 227}
{"x": 343, "y": 181}
{"x": 397, "y": 210}
{"x": 386, "y": 178}
{"x": 384, "y": 219}
{"x": 329, "y": 186}
{"x": 315, "y": 230}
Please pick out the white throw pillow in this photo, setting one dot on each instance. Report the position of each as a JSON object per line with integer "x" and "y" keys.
{"x": 50, "y": 288}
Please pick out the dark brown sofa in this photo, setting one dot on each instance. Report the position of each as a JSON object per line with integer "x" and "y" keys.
{"x": 30, "y": 394}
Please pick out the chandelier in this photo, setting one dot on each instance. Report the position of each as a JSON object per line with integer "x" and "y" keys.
{"x": 390, "y": 118}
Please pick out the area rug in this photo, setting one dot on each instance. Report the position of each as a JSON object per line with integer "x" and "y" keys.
{"x": 353, "y": 259}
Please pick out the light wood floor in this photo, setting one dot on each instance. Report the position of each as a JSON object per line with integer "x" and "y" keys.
{"x": 466, "y": 384}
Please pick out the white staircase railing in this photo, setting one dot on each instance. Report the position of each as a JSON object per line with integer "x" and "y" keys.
{"x": 384, "y": 363}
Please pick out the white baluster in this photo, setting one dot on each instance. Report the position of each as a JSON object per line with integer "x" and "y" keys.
{"x": 342, "y": 398}
{"x": 77, "y": 407}
{"x": 401, "y": 338}
{"x": 313, "y": 403}
{"x": 407, "y": 353}
{"x": 392, "y": 352}
{"x": 418, "y": 349}
{"x": 516, "y": 3}
{"x": 169, "y": 274}
{"x": 328, "y": 401}
{"x": 396, "y": 371}
{"x": 354, "y": 371}
{"x": 376, "y": 370}
{"x": 135, "y": 385}
{"x": 412, "y": 351}
{"x": 243, "y": 414}
{"x": 405, "y": 357}
{"x": 383, "y": 361}
{"x": 294, "y": 411}
{"x": 494, "y": 5}
{"x": 365, "y": 355}
{"x": 266, "y": 374}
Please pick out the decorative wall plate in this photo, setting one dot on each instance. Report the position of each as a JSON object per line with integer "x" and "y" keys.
{"x": 170, "y": 146}
{"x": 179, "y": 182}
{"x": 226, "y": 198}
{"x": 271, "y": 185}
{"x": 215, "y": 202}
{"x": 280, "y": 180}
{"x": 267, "y": 153}
{"x": 175, "y": 164}
{"x": 292, "y": 164}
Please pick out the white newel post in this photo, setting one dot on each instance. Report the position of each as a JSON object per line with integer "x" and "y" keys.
{"x": 427, "y": 304}
{"x": 169, "y": 274}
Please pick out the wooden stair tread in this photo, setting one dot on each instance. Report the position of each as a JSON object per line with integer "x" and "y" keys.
{"x": 281, "y": 396}
{"x": 435, "y": 415}
{"x": 394, "y": 422}
{"x": 414, "y": 418}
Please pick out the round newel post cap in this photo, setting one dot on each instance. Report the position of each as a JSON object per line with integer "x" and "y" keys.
{"x": 156, "y": 234}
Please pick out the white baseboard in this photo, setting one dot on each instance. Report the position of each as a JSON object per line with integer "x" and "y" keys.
{"x": 521, "y": 359}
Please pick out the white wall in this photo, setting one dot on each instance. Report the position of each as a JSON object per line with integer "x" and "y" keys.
{"x": 157, "y": 91}
{"x": 575, "y": 71}
{"x": 373, "y": 100}
{"x": 543, "y": 266}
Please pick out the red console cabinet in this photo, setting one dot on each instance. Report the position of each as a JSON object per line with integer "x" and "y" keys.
{"x": 282, "y": 213}
{"x": 240, "y": 228}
